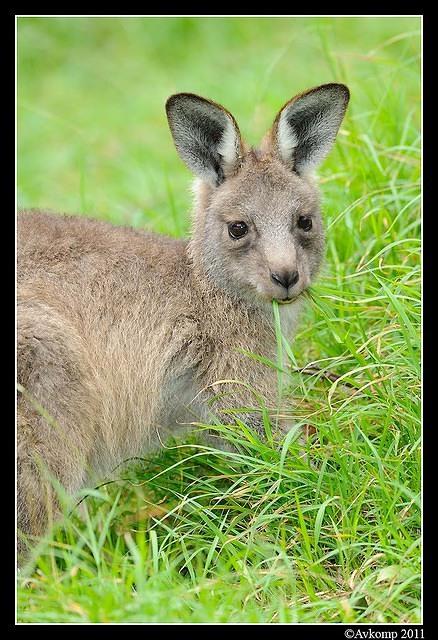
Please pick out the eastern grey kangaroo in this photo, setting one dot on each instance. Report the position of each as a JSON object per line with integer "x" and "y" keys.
{"x": 126, "y": 336}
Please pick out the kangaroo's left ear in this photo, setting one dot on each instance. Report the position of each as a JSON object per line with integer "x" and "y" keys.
{"x": 306, "y": 127}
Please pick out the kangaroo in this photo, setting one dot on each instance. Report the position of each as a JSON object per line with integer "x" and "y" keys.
{"x": 125, "y": 336}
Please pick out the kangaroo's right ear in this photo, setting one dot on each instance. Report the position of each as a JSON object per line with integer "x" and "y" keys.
{"x": 206, "y": 136}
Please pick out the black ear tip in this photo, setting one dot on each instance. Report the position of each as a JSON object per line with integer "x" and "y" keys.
{"x": 172, "y": 101}
{"x": 345, "y": 90}
{"x": 338, "y": 89}
{"x": 169, "y": 103}
{"x": 181, "y": 98}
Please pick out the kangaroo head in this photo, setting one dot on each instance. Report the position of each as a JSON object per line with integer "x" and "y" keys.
{"x": 258, "y": 230}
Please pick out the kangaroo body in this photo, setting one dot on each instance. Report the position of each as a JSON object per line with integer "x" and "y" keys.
{"x": 132, "y": 359}
{"x": 125, "y": 337}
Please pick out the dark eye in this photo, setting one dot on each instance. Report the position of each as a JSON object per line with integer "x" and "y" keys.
{"x": 304, "y": 223}
{"x": 237, "y": 230}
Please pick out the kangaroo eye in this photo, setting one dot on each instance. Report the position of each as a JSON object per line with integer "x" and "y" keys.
{"x": 237, "y": 230}
{"x": 304, "y": 223}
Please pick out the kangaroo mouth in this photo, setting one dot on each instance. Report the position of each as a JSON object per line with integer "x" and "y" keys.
{"x": 287, "y": 300}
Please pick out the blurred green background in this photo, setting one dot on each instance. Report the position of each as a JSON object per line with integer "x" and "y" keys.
{"x": 92, "y": 130}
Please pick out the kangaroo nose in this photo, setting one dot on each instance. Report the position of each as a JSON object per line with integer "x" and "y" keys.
{"x": 285, "y": 279}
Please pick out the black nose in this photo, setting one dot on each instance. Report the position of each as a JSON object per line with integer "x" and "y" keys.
{"x": 285, "y": 279}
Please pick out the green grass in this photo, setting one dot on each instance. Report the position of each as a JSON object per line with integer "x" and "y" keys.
{"x": 272, "y": 533}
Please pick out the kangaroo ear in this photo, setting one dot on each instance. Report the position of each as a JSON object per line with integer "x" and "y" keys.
{"x": 305, "y": 128}
{"x": 206, "y": 136}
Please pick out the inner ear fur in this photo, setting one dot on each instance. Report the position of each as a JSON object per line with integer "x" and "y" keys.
{"x": 305, "y": 128}
{"x": 206, "y": 136}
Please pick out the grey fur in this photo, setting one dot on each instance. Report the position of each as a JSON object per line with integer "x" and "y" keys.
{"x": 125, "y": 336}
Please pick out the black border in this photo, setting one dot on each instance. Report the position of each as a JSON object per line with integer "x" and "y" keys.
{"x": 428, "y": 356}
